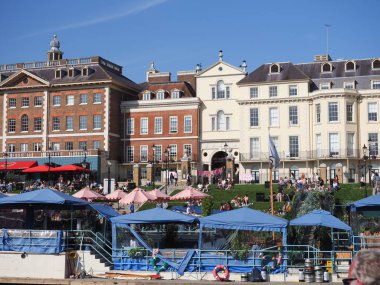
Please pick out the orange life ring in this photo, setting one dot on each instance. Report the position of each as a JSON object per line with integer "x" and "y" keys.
{"x": 218, "y": 269}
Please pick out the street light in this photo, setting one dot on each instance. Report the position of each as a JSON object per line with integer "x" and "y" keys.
{"x": 109, "y": 176}
{"x": 154, "y": 158}
{"x": 225, "y": 166}
{"x": 365, "y": 158}
{"x": 5, "y": 156}
{"x": 49, "y": 158}
{"x": 167, "y": 154}
{"x": 84, "y": 164}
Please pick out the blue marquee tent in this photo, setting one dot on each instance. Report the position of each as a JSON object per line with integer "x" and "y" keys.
{"x": 371, "y": 203}
{"x": 320, "y": 218}
{"x": 3, "y": 195}
{"x": 107, "y": 211}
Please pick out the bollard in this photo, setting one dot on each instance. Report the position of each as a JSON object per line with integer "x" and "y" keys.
{"x": 326, "y": 277}
{"x": 301, "y": 276}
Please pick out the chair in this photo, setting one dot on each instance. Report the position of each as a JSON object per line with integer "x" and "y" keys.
{"x": 260, "y": 197}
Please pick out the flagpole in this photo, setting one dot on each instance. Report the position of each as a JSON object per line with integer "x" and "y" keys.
{"x": 271, "y": 192}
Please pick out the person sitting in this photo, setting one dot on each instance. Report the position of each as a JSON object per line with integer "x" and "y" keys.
{"x": 245, "y": 200}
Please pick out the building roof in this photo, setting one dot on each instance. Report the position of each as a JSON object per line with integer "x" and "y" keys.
{"x": 183, "y": 86}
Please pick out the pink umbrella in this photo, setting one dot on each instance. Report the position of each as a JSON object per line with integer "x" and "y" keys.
{"x": 138, "y": 196}
{"x": 158, "y": 195}
{"x": 87, "y": 194}
{"x": 116, "y": 195}
{"x": 189, "y": 193}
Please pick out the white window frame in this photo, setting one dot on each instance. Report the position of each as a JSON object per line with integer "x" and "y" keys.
{"x": 160, "y": 95}
{"x": 318, "y": 113}
{"x": 144, "y": 126}
{"x": 350, "y": 112}
{"x": 373, "y": 112}
{"x": 350, "y": 144}
{"x": 24, "y": 147}
{"x": 56, "y": 146}
{"x": 12, "y": 103}
{"x": 130, "y": 126}
{"x": 375, "y": 84}
{"x": 293, "y": 90}
{"x": 188, "y": 124}
{"x": 83, "y": 123}
{"x": 173, "y": 124}
{"x": 56, "y": 123}
{"x": 11, "y": 125}
{"x": 38, "y": 101}
{"x": 57, "y": 100}
{"x": 83, "y": 99}
{"x": 330, "y": 110}
{"x": 176, "y": 94}
{"x": 325, "y": 64}
{"x": 96, "y": 145}
{"x": 188, "y": 148}
{"x": 349, "y": 85}
{"x": 130, "y": 153}
{"x": 274, "y": 121}
{"x": 25, "y": 102}
{"x": 37, "y": 146}
{"x": 254, "y": 148}
{"x": 69, "y": 123}
{"x": 254, "y": 92}
{"x": 146, "y": 96}
{"x": 97, "y": 122}
{"x": 325, "y": 85}
{"x": 334, "y": 143}
{"x": 24, "y": 123}
{"x": 143, "y": 153}
{"x": 97, "y": 98}
{"x": 70, "y": 101}
{"x": 273, "y": 91}
{"x": 318, "y": 145}
{"x": 158, "y": 126}
{"x": 254, "y": 117}
{"x": 293, "y": 116}
{"x": 173, "y": 152}
{"x": 37, "y": 122}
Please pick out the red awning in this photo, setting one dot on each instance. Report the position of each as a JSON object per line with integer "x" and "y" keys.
{"x": 70, "y": 167}
{"x": 16, "y": 165}
{"x": 39, "y": 169}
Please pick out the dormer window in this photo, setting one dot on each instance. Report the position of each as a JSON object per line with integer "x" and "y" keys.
{"x": 274, "y": 68}
{"x": 325, "y": 85}
{"x": 176, "y": 94}
{"x": 85, "y": 71}
{"x": 58, "y": 73}
{"x": 71, "y": 72}
{"x": 160, "y": 95}
{"x": 326, "y": 67}
{"x": 146, "y": 96}
{"x": 350, "y": 66}
{"x": 376, "y": 64}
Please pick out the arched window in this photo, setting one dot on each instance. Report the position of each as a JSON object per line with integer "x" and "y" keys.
{"x": 24, "y": 123}
{"x": 376, "y": 64}
{"x": 350, "y": 66}
{"x": 275, "y": 68}
{"x": 220, "y": 90}
{"x": 326, "y": 67}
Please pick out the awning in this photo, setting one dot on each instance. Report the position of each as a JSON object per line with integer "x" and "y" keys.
{"x": 39, "y": 169}
{"x": 70, "y": 168}
{"x": 17, "y": 165}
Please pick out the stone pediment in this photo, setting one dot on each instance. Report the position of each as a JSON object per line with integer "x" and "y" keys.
{"x": 23, "y": 79}
{"x": 221, "y": 68}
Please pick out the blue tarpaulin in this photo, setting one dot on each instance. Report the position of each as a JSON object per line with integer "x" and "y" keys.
{"x": 107, "y": 211}
{"x": 3, "y": 195}
{"x": 371, "y": 203}
{"x": 320, "y": 218}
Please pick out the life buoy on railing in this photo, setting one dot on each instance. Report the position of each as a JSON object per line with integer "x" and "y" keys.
{"x": 223, "y": 270}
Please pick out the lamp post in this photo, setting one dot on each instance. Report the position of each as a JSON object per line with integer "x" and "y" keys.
{"x": 84, "y": 164}
{"x": 225, "y": 165}
{"x": 153, "y": 169}
{"x": 5, "y": 156}
{"x": 109, "y": 176}
{"x": 365, "y": 158}
{"x": 167, "y": 155}
{"x": 49, "y": 158}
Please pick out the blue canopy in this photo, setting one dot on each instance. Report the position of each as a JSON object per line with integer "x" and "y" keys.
{"x": 153, "y": 216}
{"x": 3, "y": 195}
{"x": 45, "y": 196}
{"x": 244, "y": 219}
{"x": 320, "y": 218}
{"x": 107, "y": 211}
{"x": 367, "y": 204}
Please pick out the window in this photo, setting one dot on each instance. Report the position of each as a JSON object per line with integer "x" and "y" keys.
{"x": 56, "y": 146}
{"x": 293, "y": 146}
{"x": 376, "y": 64}
{"x": 37, "y": 124}
{"x": 160, "y": 95}
{"x": 70, "y": 100}
{"x": 326, "y": 67}
{"x": 71, "y": 72}
{"x": 97, "y": 98}
{"x": 58, "y": 73}
{"x": 318, "y": 145}
{"x": 38, "y": 101}
{"x": 144, "y": 126}
{"x": 69, "y": 145}
{"x": 11, "y": 125}
{"x": 11, "y": 147}
{"x": 130, "y": 152}
{"x": 254, "y": 146}
{"x": 334, "y": 144}
{"x": 69, "y": 123}
{"x": 222, "y": 123}
{"x": 158, "y": 125}
{"x": 213, "y": 123}
{"x": 25, "y": 102}
{"x": 130, "y": 126}
{"x": 37, "y": 147}
{"x": 83, "y": 122}
{"x": 143, "y": 153}
{"x": 372, "y": 112}
{"x": 213, "y": 96}
{"x": 349, "y": 85}
{"x": 350, "y": 144}
{"x": 97, "y": 122}
{"x": 325, "y": 86}
{"x": 350, "y": 66}
{"x": 272, "y": 91}
{"x": 146, "y": 96}
{"x": 83, "y": 145}
{"x": 187, "y": 149}
{"x": 173, "y": 125}
{"x": 220, "y": 90}
{"x": 84, "y": 71}
{"x": 333, "y": 112}
{"x": 273, "y": 117}
{"x": 24, "y": 147}
{"x": 293, "y": 115}
{"x": 96, "y": 144}
{"x": 227, "y": 92}
{"x": 24, "y": 123}
{"x": 143, "y": 173}
{"x": 254, "y": 117}
{"x": 173, "y": 152}
{"x": 176, "y": 94}
{"x": 373, "y": 144}
{"x": 83, "y": 99}
{"x": 293, "y": 90}
{"x": 56, "y": 100}
{"x": 254, "y": 92}
{"x": 274, "y": 68}
{"x": 12, "y": 103}
{"x": 349, "y": 112}
{"x": 158, "y": 153}
{"x": 376, "y": 84}
{"x": 318, "y": 113}
{"x": 188, "y": 122}
{"x": 56, "y": 123}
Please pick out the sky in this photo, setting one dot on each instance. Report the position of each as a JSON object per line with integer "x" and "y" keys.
{"x": 178, "y": 34}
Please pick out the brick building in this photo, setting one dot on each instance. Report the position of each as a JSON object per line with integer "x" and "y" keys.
{"x": 63, "y": 110}
{"x": 161, "y": 128}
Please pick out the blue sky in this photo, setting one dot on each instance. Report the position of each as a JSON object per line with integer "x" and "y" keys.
{"x": 178, "y": 34}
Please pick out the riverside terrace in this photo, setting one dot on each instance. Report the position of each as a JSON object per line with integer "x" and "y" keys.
{"x": 197, "y": 261}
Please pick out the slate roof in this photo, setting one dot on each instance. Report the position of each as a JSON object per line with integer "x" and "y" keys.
{"x": 183, "y": 86}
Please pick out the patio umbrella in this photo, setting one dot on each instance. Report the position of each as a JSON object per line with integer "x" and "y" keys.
{"x": 38, "y": 169}
{"x": 138, "y": 196}
{"x": 116, "y": 195}
{"x": 158, "y": 195}
{"x": 189, "y": 193}
{"x": 70, "y": 168}
{"x": 87, "y": 194}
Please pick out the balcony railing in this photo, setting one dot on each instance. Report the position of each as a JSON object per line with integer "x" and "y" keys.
{"x": 172, "y": 159}
{"x": 68, "y": 153}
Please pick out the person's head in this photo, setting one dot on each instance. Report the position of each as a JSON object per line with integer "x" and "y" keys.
{"x": 364, "y": 269}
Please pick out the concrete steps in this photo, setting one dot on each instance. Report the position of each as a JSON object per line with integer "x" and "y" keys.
{"x": 93, "y": 263}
